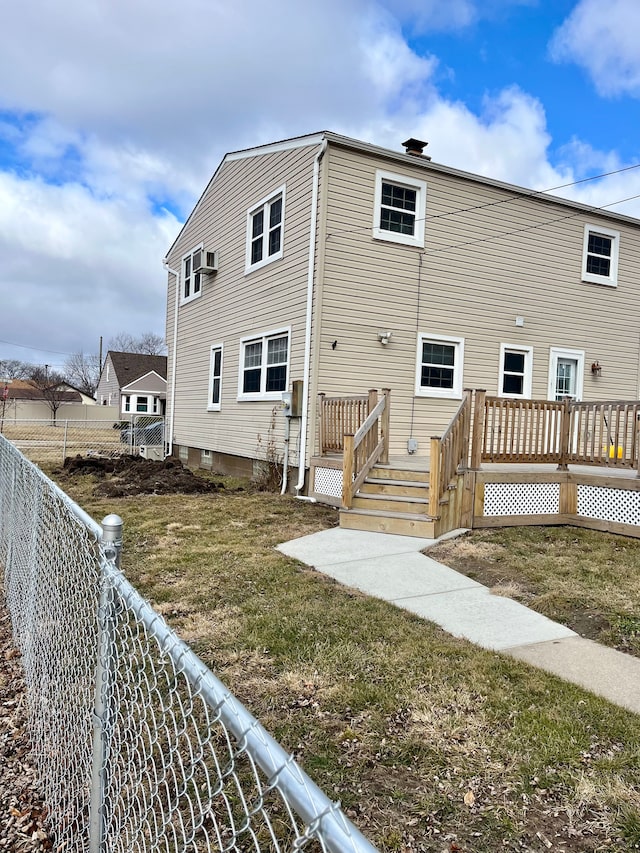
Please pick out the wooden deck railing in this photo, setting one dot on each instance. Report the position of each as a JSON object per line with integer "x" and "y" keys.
{"x": 338, "y": 416}
{"x": 543, "y": 431}
{"x": 449, "y": 454}
{"x": 366, "y": 446}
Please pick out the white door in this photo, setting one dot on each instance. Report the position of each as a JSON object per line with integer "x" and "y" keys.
{"x": 566, "y": 378}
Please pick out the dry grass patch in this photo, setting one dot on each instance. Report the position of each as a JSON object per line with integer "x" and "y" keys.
{"x": 585, "y": 579}
{"x": 430, "y": 743}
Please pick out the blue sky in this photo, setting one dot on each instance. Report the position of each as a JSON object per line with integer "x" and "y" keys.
{"x": 115, "y": 117}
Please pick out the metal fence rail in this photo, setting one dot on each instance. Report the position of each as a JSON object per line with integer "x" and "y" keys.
{"x": 48, "y": 441}
{"x": 139, "y": 746}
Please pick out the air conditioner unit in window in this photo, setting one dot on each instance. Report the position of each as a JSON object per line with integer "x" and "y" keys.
{"x": 205, "y": 262}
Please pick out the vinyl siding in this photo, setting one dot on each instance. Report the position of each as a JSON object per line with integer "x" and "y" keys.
{"x": 235, "y": 306}
{"x": 488, "y": 257}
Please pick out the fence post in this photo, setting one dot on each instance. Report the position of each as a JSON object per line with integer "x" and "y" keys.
{"x": 565, "y": 431}
{"x": 347, "y": 471}
{"x": 466, "y": 427}
{"x": 479, "y": 413}
{"x": 384, "y": 426}
{"x": 112, "y": 540}
{"x": 64, "y": 441}
{"x": 434, "y": 476}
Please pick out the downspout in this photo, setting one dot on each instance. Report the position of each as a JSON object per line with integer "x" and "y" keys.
{"x": 175, "y": 352}
{"x": 307, "y": 338}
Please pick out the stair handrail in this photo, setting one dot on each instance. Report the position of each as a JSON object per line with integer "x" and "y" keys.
{"x": 449, "y": 454}
{"x": 367, "y": 446}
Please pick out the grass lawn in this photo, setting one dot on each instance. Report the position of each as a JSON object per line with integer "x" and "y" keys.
{"x": 589, "y": 581}
{"x": 430, "y": 743}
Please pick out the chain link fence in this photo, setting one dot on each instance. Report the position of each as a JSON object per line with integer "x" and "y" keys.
{"x": 48, "y": 441}
{"x": 139, "y": 746}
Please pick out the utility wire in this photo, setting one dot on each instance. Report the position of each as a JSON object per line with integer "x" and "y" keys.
{"x": 524, "y": 194}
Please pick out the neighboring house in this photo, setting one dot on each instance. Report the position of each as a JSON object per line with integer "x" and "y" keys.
{"x": 19, "y": 398}
{"x": 348, "y": 267}
{"x": 136, "y": 384}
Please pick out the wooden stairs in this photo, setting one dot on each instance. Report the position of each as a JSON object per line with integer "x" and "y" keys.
{"x": 392, "y": 500}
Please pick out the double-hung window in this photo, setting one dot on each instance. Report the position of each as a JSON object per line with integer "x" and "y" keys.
{"x": 265, "y": 224}
{"x": 399, "y": 209}
{"x": 215, "y": 379}
{"x": 191, "y": 280}
{"x": 439, "y": 366}
{"x": 515, "y": 371}
{"x": 264, "y": 366}
{"x": 600, "y": 255}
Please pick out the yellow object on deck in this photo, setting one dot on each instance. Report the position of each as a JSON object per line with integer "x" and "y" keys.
{"x": 612, "y": 451}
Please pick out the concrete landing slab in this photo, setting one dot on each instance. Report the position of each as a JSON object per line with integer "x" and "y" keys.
{"x": 613, "y": 675}
{"x": 490, "y": 621}
{"x": 339, "y": 545}
{"x": 397, "y": 577}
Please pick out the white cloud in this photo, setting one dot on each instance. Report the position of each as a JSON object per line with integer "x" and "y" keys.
{"x": 603, "y": 39}
{"x": 123, "y": 106}
{"x": 76, "y": 266}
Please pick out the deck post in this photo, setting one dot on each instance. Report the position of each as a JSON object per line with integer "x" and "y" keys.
{"x": 347, "y": 472}
{"x": 321, "y": 427}
{"x": 372, "y": 438}
{"x": 434, "y": 476}
{"x": 565, "y": 432}
{"x": 466, "y": 437}
{"x": 479, "y": 414}
{"x": 384, "y": 427}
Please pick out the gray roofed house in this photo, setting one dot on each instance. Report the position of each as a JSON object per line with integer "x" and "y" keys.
{"x": 135, "y": 383}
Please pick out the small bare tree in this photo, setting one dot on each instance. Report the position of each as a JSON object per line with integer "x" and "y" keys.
{"x": 6, "y": 404}
{"x": 48, "y": 383}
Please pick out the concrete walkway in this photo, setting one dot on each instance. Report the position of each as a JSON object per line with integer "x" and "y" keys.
{"x": 392, "y": 568}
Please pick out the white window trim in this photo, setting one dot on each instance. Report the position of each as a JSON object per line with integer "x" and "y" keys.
{"x": 421, "y": 200}
{"x": 559, "y": 352}
{"x": 528, "y": 370}
{"x": 454, "y": 393}
{"x": 215, "y": 407}
{"x": 263, "y": 203}
{"x": 610, "y": 280}
{"x": 264, "y": 337}
{"x": 185, "y": 299}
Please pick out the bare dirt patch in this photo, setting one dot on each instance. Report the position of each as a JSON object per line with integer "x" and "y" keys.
{"x": 133, "y": 475}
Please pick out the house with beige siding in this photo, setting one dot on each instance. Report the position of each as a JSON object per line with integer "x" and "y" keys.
{"x": 322, "y": 265}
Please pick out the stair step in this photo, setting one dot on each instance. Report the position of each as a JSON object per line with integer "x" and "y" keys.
{"x": 400, "y": 523}
{"x": 390, "y": 503}
{"x": 399, "y": 488}
{"x": 386, "y": 472}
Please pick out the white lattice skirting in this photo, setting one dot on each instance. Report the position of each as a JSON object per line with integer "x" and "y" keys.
{"x": 328, "y": 481}
{"x": 521, "y": 498}
{"x": 619, "y": 505}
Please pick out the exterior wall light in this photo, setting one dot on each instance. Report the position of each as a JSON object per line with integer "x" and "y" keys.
{"x": 596, "y": 368}
{"x": 384, "y": 337}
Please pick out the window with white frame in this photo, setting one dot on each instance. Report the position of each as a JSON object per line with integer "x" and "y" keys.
{"x": 566, "y": 373}
{"x": 215, "y": 378}
{"x": 600, "y": 255}
{"x": 264, "y": 366}
{"x": 265, "y": 224}
{"x": 126, "y": 403}
{"x": 142, "y": 403}
{"x": 439, "y": 366}
{"x": 399, "y": 210}
{"x": 191, "y": 280}
{"x": 516, "y": 363}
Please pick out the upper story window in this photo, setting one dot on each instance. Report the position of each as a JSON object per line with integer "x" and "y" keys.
{"x": 191, "y": 280}
{"x": 600, "y": 255}
{"x": 264, "y": 366}
{"x": 265, "y": 224}
{"x": 399, "y": 209}
{"x": 516, "y": 364}
{"x": 439, "y": 366}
